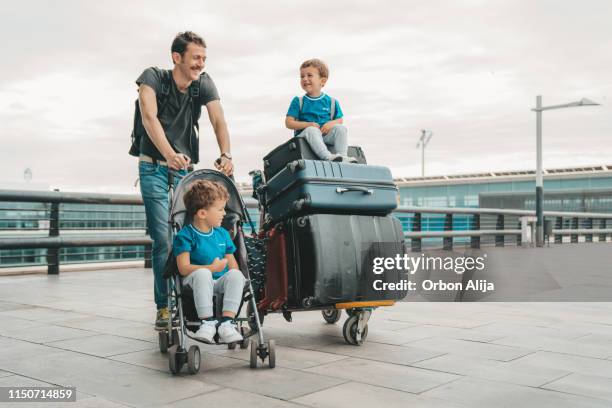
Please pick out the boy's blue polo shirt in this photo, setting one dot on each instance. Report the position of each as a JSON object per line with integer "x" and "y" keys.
{"x": 203, "y": 247}
{"x": 313, "y": 110}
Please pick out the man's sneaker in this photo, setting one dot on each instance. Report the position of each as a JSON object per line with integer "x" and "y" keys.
{"x": 161, "y": 322}
{"x": 207, "y": 331}
{"x": 228, "y": 332}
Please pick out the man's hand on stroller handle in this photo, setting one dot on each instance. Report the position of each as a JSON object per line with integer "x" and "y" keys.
{"x": 178, "y": 161}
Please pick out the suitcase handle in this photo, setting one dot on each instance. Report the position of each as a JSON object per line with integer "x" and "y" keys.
{"x": 364, "y": 190}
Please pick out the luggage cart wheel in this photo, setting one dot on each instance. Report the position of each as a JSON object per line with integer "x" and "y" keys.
{"x": 271, "y": 354}
{"x": 331, "y": 316}
{"x": 231, "y": 346}
{"x": 193, "y": 359}
{"x": 349, "y": 331}
{"x": 253, "y": 360}
{"x": 164, "y": 339}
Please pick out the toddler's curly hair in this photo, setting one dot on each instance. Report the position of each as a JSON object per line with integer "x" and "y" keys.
{"x": 202, "y": 194}
{"x": 319, "y": 65}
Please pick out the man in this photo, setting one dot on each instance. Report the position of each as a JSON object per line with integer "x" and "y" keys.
{"x": 171, "y": 141}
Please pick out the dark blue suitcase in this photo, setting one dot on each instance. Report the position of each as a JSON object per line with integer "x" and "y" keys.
{"x": 317, "y": 186}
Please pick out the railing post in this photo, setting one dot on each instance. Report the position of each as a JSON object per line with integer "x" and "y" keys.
{"x": 558, "y": 225}
{"x": 416, "y": 243}
{"x": 602, "y": 225}
{"x": 499, "y": 239}
{"x": 589, "y": 225}
{"x": 53, "y": 261}
{"x": 519, "y": 237}
{"x": 475, "y": 240}
{"x": 574, "y": 237}
{"x": 148, "y": 263}
{"x": 448, "y": 226}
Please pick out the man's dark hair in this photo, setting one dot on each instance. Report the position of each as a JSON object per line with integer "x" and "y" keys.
{"x": 183, "y": 39}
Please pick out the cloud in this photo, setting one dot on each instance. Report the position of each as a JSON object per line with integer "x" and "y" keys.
{"x": 468, "y": 70}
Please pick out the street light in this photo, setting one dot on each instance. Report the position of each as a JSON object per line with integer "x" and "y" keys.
{"x": 423, "y": 141}
{"x": 539, "y": 179}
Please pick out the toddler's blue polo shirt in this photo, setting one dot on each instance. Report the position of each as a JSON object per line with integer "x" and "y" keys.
{"x": 203, "y": 247}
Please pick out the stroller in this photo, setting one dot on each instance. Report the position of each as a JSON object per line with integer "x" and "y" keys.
{"x": 183, "y": 316}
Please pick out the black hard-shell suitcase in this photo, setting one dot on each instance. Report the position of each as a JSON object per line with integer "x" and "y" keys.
{"x": 330, "y": 259}
{"x": 298, "y": 148}
{"x": 317, "y": 186}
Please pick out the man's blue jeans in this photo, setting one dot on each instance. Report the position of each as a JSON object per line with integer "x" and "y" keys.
{"x": 154, "y": 190}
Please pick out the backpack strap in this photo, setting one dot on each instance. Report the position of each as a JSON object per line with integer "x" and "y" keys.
{"x": 166, "y": 83}
{"x": 332, "y": 108}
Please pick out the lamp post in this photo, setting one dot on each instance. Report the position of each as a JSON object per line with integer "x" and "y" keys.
{"x": 423, "y": 141}
{"x": 539, "y": 177}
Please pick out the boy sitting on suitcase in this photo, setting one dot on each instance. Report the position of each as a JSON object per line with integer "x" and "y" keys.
{"x": 316, "y": 116}
{"x": 205, "y": 260}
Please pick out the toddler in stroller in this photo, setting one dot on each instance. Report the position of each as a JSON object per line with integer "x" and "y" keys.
{"x": 208, "y": 272}
{"x": 204, "y": 257}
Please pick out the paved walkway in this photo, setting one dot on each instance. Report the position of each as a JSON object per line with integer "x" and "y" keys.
{"x": 93, "y": 330}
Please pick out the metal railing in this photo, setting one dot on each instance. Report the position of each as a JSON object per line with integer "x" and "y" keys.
{"x": 500, "y": 224}
{"x": 49, "y": 220}
{"x": 472, "y": 226}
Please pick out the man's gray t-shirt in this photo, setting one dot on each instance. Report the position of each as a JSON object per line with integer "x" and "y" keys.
{"x": 176, "y": 117}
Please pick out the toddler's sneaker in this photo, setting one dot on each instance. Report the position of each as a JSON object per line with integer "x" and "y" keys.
{"x": 335, "y": 157}
{"x": 228, "y": 332}
{"x": 207, "y": 331}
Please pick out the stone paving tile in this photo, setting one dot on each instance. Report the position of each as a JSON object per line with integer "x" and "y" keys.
{"x": 499, "y": 330}
{"x": 5, "y": 373}
{"x": 587, "y": 385}
{"x": 359, "y": 395}
{"x": 7, "y": 306}
{"x": 470, "y": 348}
{"x": 42, "y": 314}
{"x": 567, "y": 362}
{"x": 14, "y": 324}
{"x": 117, "y": 327}
{"x": 281, "y": 383}
{"x": 480, "y": 393}
{"x": 398, "y": 377}
{"x": 405, "y": 355}
{"x": 546, "y": 343}
{"x": 49, "y": 333}
{"x": 92, "y": 402}
{"x": 103, "y": 345}
{"x": 231, "y": 398}
{"x": 155, "y": 360}
{"x": 107, "y": 379}
{"x": 289, "y": 357}
{"x": 425, "y": 330}
{"x": 520, "y": 374}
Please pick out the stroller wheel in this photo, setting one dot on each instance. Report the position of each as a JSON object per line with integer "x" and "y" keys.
{"x": 172, "y": 363}
{"x": 253, "y": 360}
{"x": 175, "y": 336}
{"x": 331, "y": 316}
{"x": 193, "y": 359}
{"x": 164, "y": 339}
{"x": 271, "y": 354}
{"x": 349, "y": 331}
{"x": 231, "y": 346}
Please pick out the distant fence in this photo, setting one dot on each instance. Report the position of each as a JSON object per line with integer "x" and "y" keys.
{"x": 84, "y": 227}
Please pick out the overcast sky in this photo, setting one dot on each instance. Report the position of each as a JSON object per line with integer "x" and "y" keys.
{"x": 468, "y": 70}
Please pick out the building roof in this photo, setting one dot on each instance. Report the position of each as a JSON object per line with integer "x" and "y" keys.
{"x": 499, "y": 176}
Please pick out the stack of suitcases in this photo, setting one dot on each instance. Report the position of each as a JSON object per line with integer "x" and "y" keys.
{"x": 324, "y": 222}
